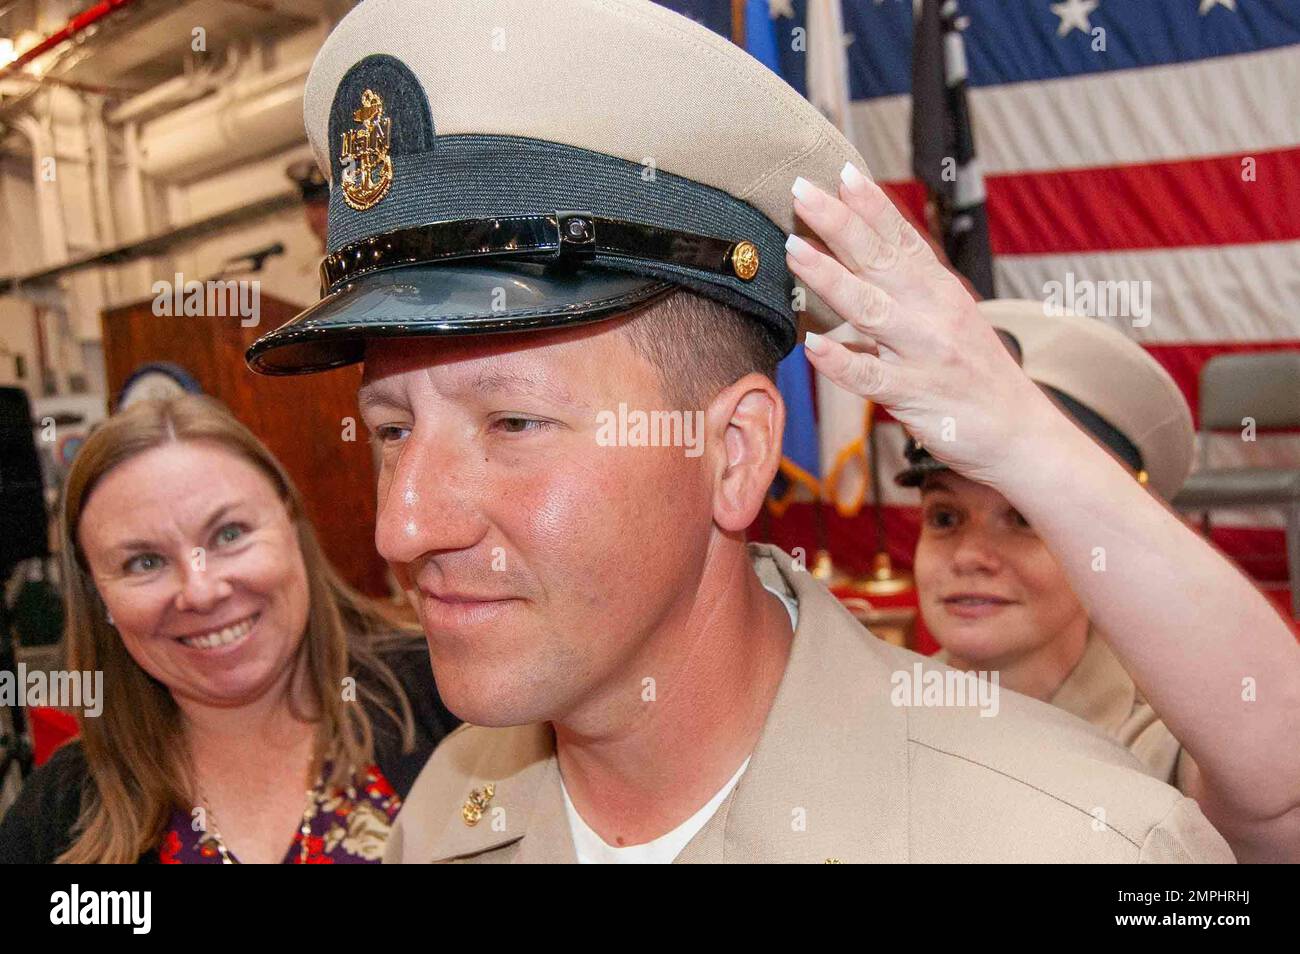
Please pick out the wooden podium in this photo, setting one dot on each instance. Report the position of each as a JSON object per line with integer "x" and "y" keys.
{"x": 300, "y": 418}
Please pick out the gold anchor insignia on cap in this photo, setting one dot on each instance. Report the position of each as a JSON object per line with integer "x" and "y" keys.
{"x": 477, "y": 803}
{"x": 744, "y": 260}
{"x": 367, "y": 167}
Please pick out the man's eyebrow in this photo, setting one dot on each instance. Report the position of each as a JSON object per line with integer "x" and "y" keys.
{"x": 502, "y": 379}
{"x": 376, "y": 393}
{"x": 934, "y": 483}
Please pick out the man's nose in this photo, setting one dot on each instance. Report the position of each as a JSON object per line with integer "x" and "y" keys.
{"x": 428, "y": 502}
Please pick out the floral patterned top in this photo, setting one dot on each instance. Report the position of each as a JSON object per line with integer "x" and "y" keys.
{"x": 346, "y": 827}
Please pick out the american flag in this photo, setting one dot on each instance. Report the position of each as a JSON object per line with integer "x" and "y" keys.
{"x": 1154, "y": 141}
{"x": 1147, "y": 141}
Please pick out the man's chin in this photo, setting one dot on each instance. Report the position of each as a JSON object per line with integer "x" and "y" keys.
{"x": 490, "y": 705}
{"x": 491, "y": 716}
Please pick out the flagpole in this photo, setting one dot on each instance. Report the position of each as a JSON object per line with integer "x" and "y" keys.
{"x": 738, "y": 23}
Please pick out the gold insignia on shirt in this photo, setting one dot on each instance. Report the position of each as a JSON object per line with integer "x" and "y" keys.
{"x": 367, "y": 168}
{"x": 744, "y": 260}
{"x": 477, "y": 803}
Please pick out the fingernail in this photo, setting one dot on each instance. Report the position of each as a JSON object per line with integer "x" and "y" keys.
{"x": 814, "y": 342}
{"x": 801, "y": 250}
{"x": 803, "y": 190}
{"x": 853, "y": 178}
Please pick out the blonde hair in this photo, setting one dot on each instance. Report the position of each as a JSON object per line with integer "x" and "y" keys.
{"x": 139, "y": 765}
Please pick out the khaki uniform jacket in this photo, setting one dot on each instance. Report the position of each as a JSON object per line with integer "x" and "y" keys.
{"x": 841, "y": 773}
{"x": 1100, "y": 692}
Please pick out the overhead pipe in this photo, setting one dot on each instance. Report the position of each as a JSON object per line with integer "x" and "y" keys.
{"x": 75, "y": 26}
{"x": 256, "y": 116}
{"x": 155, "y": 245}
{"x": 179, "y": 90}
{"x": 49, "y": 212}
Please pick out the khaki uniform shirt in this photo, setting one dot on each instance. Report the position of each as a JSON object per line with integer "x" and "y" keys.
{"x": 1100, "y": 692}
{"x": 840, "y": 773}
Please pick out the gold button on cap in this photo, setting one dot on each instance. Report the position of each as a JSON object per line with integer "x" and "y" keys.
{"x": 744, "y": 260}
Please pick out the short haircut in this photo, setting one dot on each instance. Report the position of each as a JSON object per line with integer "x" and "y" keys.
{"x": 700, "y": 346}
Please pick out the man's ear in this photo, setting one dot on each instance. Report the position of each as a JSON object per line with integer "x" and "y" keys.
{"x": 745, "y": 423}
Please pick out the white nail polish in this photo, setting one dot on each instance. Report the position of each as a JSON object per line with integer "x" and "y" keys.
{"x": 852, "y": 177}
{"x": 802, "y": 189}
{"x": 798, "y": 247}
{"x": 814, "y": 342}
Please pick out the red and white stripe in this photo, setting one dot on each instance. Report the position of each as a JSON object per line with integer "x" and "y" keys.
{"x": 1185, "y": 176}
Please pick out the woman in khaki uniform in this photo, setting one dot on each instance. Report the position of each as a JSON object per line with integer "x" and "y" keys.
{"x": 996, "y": 598}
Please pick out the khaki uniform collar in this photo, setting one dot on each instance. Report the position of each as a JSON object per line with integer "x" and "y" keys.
{"x": 519, "y": 763}
{"x": 1098, "y": 690}
{"x": 826, "y": 781}
{"x": 828, "y": 778}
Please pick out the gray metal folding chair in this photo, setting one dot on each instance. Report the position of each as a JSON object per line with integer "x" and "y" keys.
{"x": 1236, "y": 388}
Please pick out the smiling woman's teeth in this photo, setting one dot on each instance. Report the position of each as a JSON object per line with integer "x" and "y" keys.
{"x": 221, "y": 637}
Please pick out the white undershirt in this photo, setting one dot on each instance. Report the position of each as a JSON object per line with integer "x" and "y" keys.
{"x": 592, "y": 849}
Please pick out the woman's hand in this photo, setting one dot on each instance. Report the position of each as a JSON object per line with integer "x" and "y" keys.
{"x": 941, "y": 370}
{"x": 932, "y": 359}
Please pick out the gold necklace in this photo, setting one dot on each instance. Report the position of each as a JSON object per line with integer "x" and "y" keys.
{"x": 304, "y": 829}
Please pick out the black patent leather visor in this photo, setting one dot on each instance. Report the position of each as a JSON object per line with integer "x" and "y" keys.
{"x": 449, "y": 298}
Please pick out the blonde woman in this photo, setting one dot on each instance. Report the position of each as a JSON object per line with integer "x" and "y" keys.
{"x": 257, "y": 709}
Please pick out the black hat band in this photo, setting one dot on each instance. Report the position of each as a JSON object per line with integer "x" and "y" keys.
{"x": 565, "y": 238}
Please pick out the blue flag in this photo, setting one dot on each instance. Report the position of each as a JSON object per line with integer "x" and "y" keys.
{"x": 801, "y": 459}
